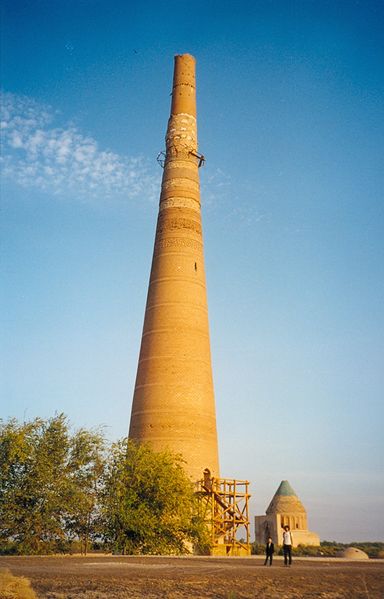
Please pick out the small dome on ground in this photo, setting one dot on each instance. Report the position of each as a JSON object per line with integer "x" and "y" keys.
{"x": 353, "y": 553}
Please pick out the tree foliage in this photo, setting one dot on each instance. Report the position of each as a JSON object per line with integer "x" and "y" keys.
{"x": 148, "y": 504}
{"x": 59, "y": 490}
{"x": 86, "y": 470}
{"x": 48, "y": 483}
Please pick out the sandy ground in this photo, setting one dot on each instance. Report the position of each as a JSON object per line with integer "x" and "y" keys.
{"x": 118, "y": 577}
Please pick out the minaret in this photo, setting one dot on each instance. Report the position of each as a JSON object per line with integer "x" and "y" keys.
{"x": 173, "y": 404}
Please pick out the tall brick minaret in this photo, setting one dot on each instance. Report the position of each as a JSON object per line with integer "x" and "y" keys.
{"x": 173, "y": 404}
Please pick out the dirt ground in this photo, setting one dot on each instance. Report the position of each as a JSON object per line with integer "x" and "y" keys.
{"x": 118, "y": 577}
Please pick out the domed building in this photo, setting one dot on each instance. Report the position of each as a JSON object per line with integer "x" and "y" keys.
{"x": 285, "y": 509}
{"x": 353, "y": 553}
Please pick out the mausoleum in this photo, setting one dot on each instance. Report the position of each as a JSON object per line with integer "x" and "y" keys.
{"x": 285, "y": 509}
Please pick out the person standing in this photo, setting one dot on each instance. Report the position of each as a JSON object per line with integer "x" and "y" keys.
{"x": 269, "y": 551}
{"x": 287, "y": 546}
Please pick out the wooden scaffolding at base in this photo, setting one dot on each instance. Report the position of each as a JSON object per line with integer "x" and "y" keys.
{"x": 224, "y": 507}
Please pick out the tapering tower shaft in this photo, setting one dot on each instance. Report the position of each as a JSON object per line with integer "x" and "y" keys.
{"x": 173, "y": 404}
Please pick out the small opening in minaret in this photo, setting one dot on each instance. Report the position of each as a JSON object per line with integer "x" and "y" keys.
{"x": 196, "y": 266}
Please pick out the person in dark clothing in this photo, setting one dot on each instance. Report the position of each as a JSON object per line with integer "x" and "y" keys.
{"x": 269, "y": 551}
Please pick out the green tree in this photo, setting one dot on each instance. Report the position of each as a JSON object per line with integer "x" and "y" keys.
{"x": 48, "y": 484}
{"x": 148, "y": 504}
{"x": 85, "y": 476}
{"x": 33, "y": 459}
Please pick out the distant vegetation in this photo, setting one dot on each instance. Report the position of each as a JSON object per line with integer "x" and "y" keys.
{"x": 373, "y": 549}
{"x": 64, "y": 491}
{"x": 328, "y": 549}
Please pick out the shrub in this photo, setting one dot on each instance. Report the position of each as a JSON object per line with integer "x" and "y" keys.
{"x": 15, "y": 587}
{"x": 257, "y": 549}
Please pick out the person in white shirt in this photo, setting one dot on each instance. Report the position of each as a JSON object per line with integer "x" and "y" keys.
{"x": 287, "y": 546}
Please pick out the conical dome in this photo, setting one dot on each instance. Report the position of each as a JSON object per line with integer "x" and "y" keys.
{"x": 285, "y": 501}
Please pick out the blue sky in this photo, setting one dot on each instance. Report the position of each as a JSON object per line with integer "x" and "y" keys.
{"x": 290, "y": 119}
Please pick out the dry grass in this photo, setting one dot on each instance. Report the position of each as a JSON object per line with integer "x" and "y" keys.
{"x": 150, "y": 577}
{"x": 15, "y": 587}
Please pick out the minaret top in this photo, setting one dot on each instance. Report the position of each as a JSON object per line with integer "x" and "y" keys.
{"x": 184, "y": 86}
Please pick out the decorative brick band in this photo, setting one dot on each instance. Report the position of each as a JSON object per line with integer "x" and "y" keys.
{"x": 178, "y": 223}
{"x": 180, "y": 202}
{"x": 178, "y": 242}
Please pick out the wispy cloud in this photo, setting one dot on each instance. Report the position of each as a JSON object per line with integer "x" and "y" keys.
{"x": 38, "y": 153}
{"x": 215, "y": 187}
{"x": 236, "y": 203}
